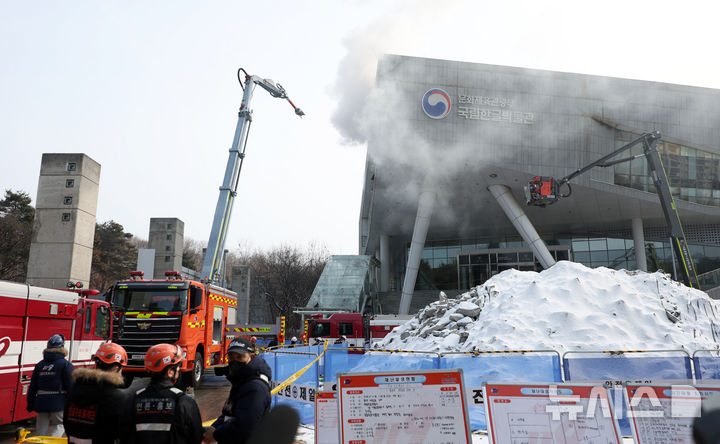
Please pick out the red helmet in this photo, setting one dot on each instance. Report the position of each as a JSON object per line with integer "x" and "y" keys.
{"x": 161, "y": 355}
{"x": 111, "y": 353}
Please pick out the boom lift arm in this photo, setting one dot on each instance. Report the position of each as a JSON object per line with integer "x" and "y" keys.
{"x": 542, "y": 191}
{"x": 214, "y": 257}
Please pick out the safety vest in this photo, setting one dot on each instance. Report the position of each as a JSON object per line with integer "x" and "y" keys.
{"x": 154, "y": 414}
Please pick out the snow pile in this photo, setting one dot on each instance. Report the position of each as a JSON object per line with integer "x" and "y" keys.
{"x": 566, "y": 307}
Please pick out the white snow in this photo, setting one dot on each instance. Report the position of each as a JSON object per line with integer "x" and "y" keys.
{"x": 566, "y": 307}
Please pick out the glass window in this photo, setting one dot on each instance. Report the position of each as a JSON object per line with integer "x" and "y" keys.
{"x": 525, "y": 256}
{"x": 616, "y": 255}
{"x": 319, "y": 329}
{"x": 217, "y": 333}
{"x": 345, "y": 328}
{"x": 615, "y": 244}
{"x": 464, "y": 259}
{"x": 582, "y": 256}
{"x": 505, "y": 258}
{"x": 88, "y": 319}
{"x": 452, "y": 251}
{"x": 102, "y": 322}
{"x": 599, "y": 256}
{"x": 479, "y": 259}
{"x": 580, "y": 244}
{"x": 562, "y": 255}
{"x": 597, "y": 244}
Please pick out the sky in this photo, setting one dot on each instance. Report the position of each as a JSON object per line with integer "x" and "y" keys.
{"x": 149, "y": 90}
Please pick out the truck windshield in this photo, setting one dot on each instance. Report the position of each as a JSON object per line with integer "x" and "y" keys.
{"x": 319, "y": 329}
{"x": 155, "y": 299}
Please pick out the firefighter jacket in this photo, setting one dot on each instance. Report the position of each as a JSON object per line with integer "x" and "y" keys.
{"x": 163, "y": 414}
{"x": 247, "y": 404}
{"x": 50, "y": 383}
{"x": 97, "y": 410}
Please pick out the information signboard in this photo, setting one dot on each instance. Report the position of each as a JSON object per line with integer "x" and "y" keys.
{"x": 326, "y": 418}
{"x": 664, "y": 413}
{"x": 544, "y": 413}
{"x": 423, "y": 406}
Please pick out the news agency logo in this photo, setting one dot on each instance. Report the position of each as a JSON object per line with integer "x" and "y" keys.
{"x": 436, "y": 103}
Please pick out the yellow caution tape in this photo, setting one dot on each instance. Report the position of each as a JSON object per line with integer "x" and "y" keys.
{"x": 286, "y": 382}
{"x": 22, "y": 436}
{"x": 297, "y": 374}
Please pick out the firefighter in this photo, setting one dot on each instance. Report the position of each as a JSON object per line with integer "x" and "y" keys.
{"x": 161, "y": 412}
{"x": 97, "y": 409}
{"x": 249, "y": 398}
{"x": 51, "y": 380}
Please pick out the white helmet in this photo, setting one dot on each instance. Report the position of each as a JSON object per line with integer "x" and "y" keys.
{"x": 294, "y": 339}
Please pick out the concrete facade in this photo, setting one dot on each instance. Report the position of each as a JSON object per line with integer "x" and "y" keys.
{"x": 166, "y": 237}
{"x": 240, "y": 277}
{"x": 64, "y": 226}
{"x": 505, "y": 125}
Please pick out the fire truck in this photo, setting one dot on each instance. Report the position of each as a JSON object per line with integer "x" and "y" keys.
{"x": 190, "y": 313}
{"x": 351, "y": 328}
{"x": 29, "y": 316}
{"x": 174, "y": 310}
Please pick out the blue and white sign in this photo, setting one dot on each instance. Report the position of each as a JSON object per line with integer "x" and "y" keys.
{"x": 436, "y": 103}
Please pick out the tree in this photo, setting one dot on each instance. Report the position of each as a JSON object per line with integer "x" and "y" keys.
{"x": 285, "y": 277}
{"x": 192, "y": 254}
{"x": 16, "y": 219}
{"x": 114, "y": 255}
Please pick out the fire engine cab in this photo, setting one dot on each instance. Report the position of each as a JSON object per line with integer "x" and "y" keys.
{"x": 174, "y": 310}
{"x": 29, "y": 316}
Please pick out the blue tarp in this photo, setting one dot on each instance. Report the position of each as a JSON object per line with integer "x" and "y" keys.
{"x": 621, "y": 367}
{"x": 707, "y": 367}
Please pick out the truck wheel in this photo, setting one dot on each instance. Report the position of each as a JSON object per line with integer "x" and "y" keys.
{"x": 192, "y": 378}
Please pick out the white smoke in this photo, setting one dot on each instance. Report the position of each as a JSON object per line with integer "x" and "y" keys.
{"x": 404, "y": 28}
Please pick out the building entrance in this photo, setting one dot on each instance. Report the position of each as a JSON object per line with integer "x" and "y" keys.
{"x": 477, "y": 266}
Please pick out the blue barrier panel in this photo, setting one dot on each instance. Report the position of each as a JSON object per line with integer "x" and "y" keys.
{"x": 337, "y": 361}
{"x": 501, "y": 367}
{"x": 631, "y": 366}
{"x": 707, "y": 367}
{"x": 621, "y": 367}
{"x": 379, "y": 362}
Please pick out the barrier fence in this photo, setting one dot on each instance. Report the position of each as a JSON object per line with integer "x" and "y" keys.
{"x": 610, "y": 367}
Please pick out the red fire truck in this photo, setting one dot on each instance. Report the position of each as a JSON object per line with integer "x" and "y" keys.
{"x": 29, "y": 316}
{"x": 352, "y": 328}
{"x": 174, "y": 310}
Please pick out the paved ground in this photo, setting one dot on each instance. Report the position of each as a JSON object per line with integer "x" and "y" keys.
{"x": 210, "y": 396}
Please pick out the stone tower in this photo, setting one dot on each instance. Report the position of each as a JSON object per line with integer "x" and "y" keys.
{"x": 64, "y": 227}
{"x": 166, "y": 237}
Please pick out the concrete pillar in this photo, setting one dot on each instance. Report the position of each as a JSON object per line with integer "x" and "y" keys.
{"x": 384, "y": 262}
{"x": 639, "y": 243}
{"x": 422, "y": 222}
{"x": 522, "y": 224}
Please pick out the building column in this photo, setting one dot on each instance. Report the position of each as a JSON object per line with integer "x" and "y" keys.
{"x": 639, "y": 244}
{"x": 422, "y": 222}
{"x": 522, "y": 224}
{"x": 384, "y": 262}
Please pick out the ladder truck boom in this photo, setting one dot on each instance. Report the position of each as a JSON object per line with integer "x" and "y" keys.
{"x": 542, "y": 191}
{"x": 214, "y": 257}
